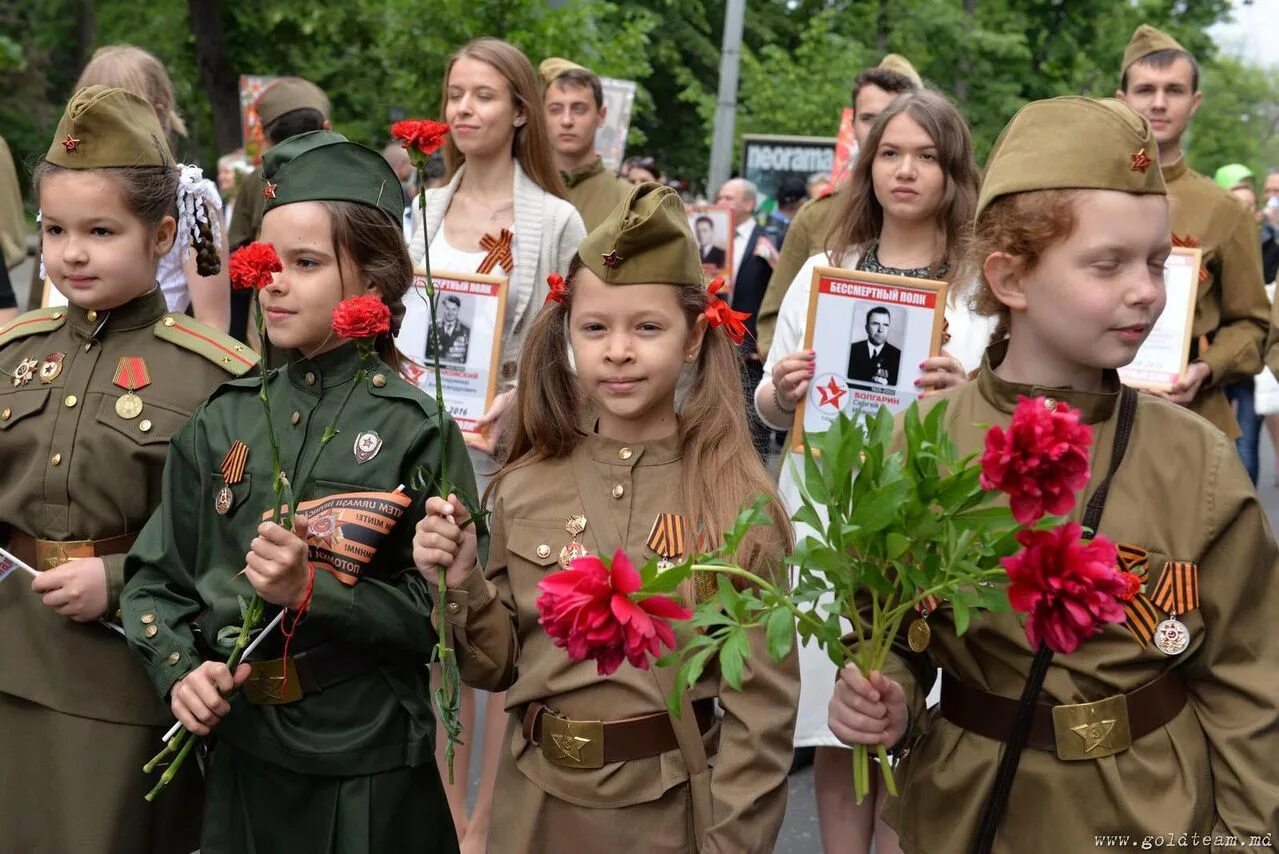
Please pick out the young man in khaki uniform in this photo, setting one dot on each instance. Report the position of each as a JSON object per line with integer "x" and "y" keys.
{"x": 1160, "y": 80}
{"x": 574, "y": 101}
{"x": 873, "y": 90}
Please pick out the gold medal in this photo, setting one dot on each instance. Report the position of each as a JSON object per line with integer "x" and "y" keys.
{"x": 128, "y": 405}
{"x": 919, "y": 635}
{"x": 222, "y": 501}
{"x": 574, "y": 527}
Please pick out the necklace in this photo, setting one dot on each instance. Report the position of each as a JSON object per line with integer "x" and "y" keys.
{"x": 493, "y": 211}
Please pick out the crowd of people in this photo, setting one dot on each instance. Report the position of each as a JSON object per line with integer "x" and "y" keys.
{"x": 139, "y": 473}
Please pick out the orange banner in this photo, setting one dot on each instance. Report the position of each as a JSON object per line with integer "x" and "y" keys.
{"x": 345, "y": 530}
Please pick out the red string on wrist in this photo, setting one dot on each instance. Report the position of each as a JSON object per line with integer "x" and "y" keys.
{"x": 289, "y": 626}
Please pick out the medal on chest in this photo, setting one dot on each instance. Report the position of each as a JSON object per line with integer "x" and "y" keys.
{"x": 1171, "y": 636}
{"x": 666, "y": 539}
{"x": 367, "y": 445}
{"x": 575, "y": 527}
{"x": 920, "y": 634}
{"x": 1176, "y": 592}
{"x": 232, "y": 473}
{"x": 131, "y": 375}
{"x": 24, "y": 372}
{"x": 51, "y": 367}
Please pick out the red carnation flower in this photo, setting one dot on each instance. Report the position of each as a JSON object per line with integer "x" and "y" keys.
{"x": 421, "y": 137}
{"x": 589, "y": 610}
{"x": 1066, "y": 586}
{"x": 361, "y": 317}
{"x": 1041, "y": 460}
{"x": 252, "y": 265}
{"x": 719, "y": 313}
{"x": 1132, "y": 586}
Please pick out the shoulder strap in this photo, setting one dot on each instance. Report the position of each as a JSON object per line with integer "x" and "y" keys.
{"x": 219, "y": 348}
{"x": 1123, "y": 432}
{"x": 32, "y": 323}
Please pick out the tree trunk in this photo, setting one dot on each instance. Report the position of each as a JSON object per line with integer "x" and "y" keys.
{"x": 965, "y": 64}
{"x": 220, "y": 83}
{"x": 881, "y": 27}
{"x": 84, "y": 32}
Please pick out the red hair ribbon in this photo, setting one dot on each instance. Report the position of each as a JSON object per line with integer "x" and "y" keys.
{"x": 559, "y": 290}
{"x": 718, "y": 313}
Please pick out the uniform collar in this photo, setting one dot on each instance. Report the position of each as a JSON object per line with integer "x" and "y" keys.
{"x": 1094, "y": 407}
{"x": 134, "y": 314}
{"x": 1176, "y": 169}
{"x": 326, "y": 370}
{"x": 655, "y": 453}
{"x": 577, "y": 176}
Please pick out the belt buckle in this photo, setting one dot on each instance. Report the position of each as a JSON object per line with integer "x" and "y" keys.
{"x": 1092, "y": 730}
{"x": 51, "y": 554}
{"x": 267, "y": 685}
{"x": 572, "y": 744}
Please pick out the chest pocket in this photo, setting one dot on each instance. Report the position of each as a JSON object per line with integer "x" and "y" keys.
{"x": 154, "y": 425}
{"x": 536, "y": 545}
{"x": 18, "y": 405}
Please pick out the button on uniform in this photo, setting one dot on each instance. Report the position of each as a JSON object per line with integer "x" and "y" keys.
{"x": 152, "y": 631}
{"x": 619, "y": 491}
{"x": 626, "y": 453}
{"x": 310, "y": 377}
{"x": 379, "y": 380}
{"x": 71, "y": 401}
{"x": 543, "y": 551}
{"x": 144, "y": 426}
{"x": 56, "y": 459}
{"x": 295, "y": 418}
{"x": 174, "y": 657}
{"x": 6, "y": 414}
{"x": 454, "y": 607}
{"x": 91, "y": 315}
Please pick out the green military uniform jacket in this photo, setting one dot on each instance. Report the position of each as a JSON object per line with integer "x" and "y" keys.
{"x": 72, "y": 468}
{"x": 620, "y": 488}
{"x": 1181, "y": 494}
{"x": 594, "y": 191}
{"x": 804, "y": 239}
{"x": 183, "y": 571}
{"x": 1231, "y": 306}
{"x": 246, "y": 216}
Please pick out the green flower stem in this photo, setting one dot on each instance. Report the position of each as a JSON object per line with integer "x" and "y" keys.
{"x": 169, "y": 772}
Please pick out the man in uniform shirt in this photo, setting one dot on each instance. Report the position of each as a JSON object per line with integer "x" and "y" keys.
{"x": 873, "y": 90}
{"x": 1160, "y": 80}
{"x": 574, "y": 102}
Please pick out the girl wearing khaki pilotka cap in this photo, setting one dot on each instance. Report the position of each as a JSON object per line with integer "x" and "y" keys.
{"x": 1165, "y": 724}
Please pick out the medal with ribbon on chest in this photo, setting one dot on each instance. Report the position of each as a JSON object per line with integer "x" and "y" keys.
{"x": 232, "y": 473}
{"x": 574, "y": 527}
{"x": 131, "y": 375}
{"x": 1176, "y": 592}
{"x": 666, "y": 539}
{"x": 23, "y": 373}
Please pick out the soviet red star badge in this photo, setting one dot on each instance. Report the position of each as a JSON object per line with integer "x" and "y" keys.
{"x": 268, "y": 192}
{"x": 71, "y": 144}
{"x": 612, "y": 259}
{"x": 1140, "y": 161}
{"x": 832, "y": 393}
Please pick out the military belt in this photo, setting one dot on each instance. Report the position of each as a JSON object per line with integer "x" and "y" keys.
{"x": 594, "y": 744}
{"x": 279, "y": 681}
{"x": 1075, "y": 731}
{"x": 48, "y": 554}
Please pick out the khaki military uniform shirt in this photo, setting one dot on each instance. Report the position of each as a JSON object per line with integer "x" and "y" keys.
{"x": 1231, "y": 307}
{"x": 73, "y": 468}
{"x": 501, "y": 646}
{"x": 246, "y": 216}
{"x": 1181, "y": 494}
{"x": 594, "y": 191}
{"x": 805, "y": 238}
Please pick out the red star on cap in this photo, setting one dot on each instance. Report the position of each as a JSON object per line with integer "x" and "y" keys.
{"x": 1141, "y": 161}
{"x": 268, "y": 192}
{"x": 71, "y": 144}
{"x": 832, "y": 393}
{"x": 612, "y": 259}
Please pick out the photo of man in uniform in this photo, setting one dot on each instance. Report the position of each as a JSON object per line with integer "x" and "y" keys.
{"x": 873, "y": 360}
{"x": 712, "y": 256}
{"x": 455, "y": 336}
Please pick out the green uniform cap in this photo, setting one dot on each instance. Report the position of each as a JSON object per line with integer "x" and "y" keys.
{"x": 1108, "y": 146}
{"x": 900, "y": 64}
{"x": 288, "y": 94}
{"x": 1145, "y": 41}
{"x": 553, "y": 66}
{"x": 105, "y": 127}
{"x": 322, "y": 166}
{"x": 645, "y": 240}
{"x": 1232, "y": 175}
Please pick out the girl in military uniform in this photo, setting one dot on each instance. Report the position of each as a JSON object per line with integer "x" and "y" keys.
{"x": 328, "y": 746}
{"x": 92, "y": 393}
{"x": 1165, "y": 726}
{"x": 633, "y": 317}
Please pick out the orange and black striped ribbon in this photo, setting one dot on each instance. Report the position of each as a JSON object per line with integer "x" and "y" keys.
{"x": 131, "y": 373}
{"x": 233, "y": 463}
{"x": 1189, "y": 242}
{"x": 1133, "y": 559}
{"x": 1140, "y": 617}
{"x": 499, "y": 252}
{"x": 1177, "y": 590}
{"x": 667, "y": 536}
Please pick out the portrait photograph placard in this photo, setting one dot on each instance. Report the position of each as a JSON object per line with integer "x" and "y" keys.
{"x": 713, "y": 228}
{"x": 1165, "y": 354}
{"x": 469, "y": 312}
{"x": 870, "y": 333}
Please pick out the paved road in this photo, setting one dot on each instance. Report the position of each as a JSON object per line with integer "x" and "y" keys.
{"x": 800, "y": 833}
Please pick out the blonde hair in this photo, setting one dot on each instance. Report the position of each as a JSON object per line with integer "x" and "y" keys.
{"x": 531, "y": 146}
{"x": 133, "y": 69}
{"x": 719, "y": 470}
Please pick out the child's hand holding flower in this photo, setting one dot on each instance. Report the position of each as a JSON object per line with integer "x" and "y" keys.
{"x": 443, "y": 539}
{"x": 277, "y": 564}
{"x": 867, "y": 711}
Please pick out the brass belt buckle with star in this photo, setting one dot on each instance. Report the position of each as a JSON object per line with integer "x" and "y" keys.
{"x": 572, "y": 744}
{"x": 1092, "y": 730}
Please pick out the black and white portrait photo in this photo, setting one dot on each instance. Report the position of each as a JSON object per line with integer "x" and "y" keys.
{"x": 455, "y": 332}
{"x": 874, "y": 360}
